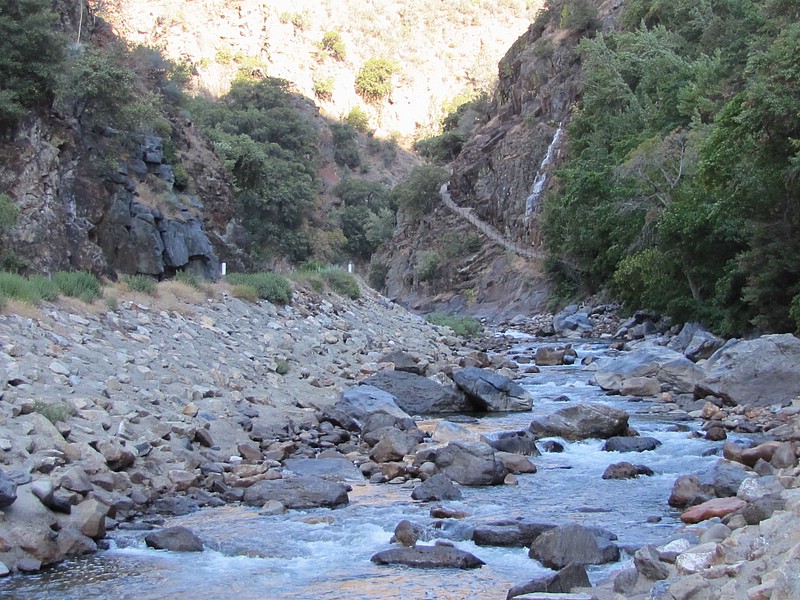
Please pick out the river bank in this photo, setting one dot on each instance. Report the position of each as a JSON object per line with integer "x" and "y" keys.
{"x": 156, "y": 408}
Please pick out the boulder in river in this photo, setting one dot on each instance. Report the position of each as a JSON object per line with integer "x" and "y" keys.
{"x": 573, "y": 543}
{"x": 759, "y": 372}
{"x": 666, "y": 366}
{"x": 332, "y": 469}
{"x": 418, "y": 395}
{"x": 491, "y": 392}
{"x": 509, "y": 532}
{"x": 630, "y": 444}
{"x": 582, "y": 421}
{"x": 440, "y": 556}
{"x": 438, "y": 487}
{"x": 298, "y": 493}
{"x": 626, "y": 470}
{"x": 176, "y": 539}
{"x": 520, "y": 442}
{"x": 468, "y": 463}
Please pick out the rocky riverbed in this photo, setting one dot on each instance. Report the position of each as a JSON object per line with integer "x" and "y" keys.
{"x": 113, "y": 418}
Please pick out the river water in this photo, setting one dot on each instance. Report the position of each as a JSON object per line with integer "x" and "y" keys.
{"x": 325, "y": 554}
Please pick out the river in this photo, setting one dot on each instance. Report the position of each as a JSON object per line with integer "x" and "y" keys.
{"x": 325, "y": 554}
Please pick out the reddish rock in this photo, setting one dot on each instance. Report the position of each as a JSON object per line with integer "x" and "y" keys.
{"x": 717, "y": 507}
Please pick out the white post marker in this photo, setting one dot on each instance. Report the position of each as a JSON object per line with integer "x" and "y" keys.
{"x": 223, "y": 268}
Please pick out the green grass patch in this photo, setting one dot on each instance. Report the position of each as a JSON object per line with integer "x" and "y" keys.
{"x": 188, "y": 279}
{"x": 463, "y": 326}
{"x": 78, "y": 284}
{"x": 140, "y": 283}
{"x": 31, "y": 290}
{"x": 245, "y": 292}
{"x": 268, "y": 286}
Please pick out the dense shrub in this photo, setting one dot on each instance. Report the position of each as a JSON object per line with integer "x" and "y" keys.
{"x": 428, "y": 266}
{"x": 378, "y": 272}
{"x": 323, "y": 88}
{"x": 31, "y": 290}
{"x": 358, "y": 118}
{"x": 143, "y": 284}
{"x": 374, "y": 79}
{"x": 272, "y": 287}
{"x": 332, "y": 44}
{"x": 342, "y": 282}
{"x": 345, "y": 148}
{"x": 419, "y": 193}
{"x": 78, "y": 284}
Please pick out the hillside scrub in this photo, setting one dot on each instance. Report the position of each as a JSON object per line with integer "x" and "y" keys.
{"x": 681, "y": 188}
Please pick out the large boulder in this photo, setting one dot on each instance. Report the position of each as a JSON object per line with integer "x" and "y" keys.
{"x": 572, "y": 321}
{"x": 176, "y": 539}
{"x": 332, "y": 469}
{"x": 666, "y": 366}
{"x": 695, "y": 343}
{"x": 467, "y": 463}
{"x": 574, "y": 543}
{"x": 491, "y": 392}
{"x": 394, "y": 445}
{"x": 428, "y": 557}
{"x": 721, "y": 480}
{"x": 298, "y": 492}
{"x": 418, "y": 395}
{"x": 358, "y": 403}
{"x": 519, "y": 441}
{"x": 759, "y": 372}
{"x": 630, "y": 444}
{"x": 582, "y": 421}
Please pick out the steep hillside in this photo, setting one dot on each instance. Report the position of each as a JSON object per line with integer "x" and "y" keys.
{"x": 501, "y": 173}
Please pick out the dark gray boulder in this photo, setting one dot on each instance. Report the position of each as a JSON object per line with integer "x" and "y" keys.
{"x": 436, "y": 488}
{"x": 695, "y": 342}
{"x": 516, "y": 533}
{"x": 519, "y": 442}
{"x": 176, "y": 539}
{"x": 572, "y": 321}
{"x": 428, "y": 557}
{"x": 298, "y": 493}
{"x": 582, "y": 421}
{"x": 630, "y": 444}
{"x": 666, "y": 366}
{"x": 403, "y": 361}
{"x": 648, "y": 563}
{"x": 491, "y": 392}
{"x": 394, "y": 445}
{"x": 626, "y": 470}
{"x": 562, "y": 582}
{"x": 574, "y": 543}
{"x": 418, "y": 395}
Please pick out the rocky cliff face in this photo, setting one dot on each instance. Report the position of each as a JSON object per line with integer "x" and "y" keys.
{"x": 502, "y": 173}
{"x": 77, "y": 212}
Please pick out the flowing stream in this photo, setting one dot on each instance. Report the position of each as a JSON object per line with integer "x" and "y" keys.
{"x": 325, "y": 554}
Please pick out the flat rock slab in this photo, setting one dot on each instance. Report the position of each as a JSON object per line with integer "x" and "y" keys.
{"x": 428, "y": 557}
{"x": 418, "y": 395}
{"x": 717, "y": 507}
{"x": 492, "y": 392}
{"x": 332, "y": 469}
{"x": 298, "y": 493}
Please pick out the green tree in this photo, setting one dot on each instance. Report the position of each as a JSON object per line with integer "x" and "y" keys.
{"x": 31, "y": 53}
{"x": 419, "y": 193}
{"x": 332, "y": 44}
{"x": 374, "y": 79}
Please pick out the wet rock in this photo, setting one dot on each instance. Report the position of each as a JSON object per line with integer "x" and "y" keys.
{"x": 626, "y": 470}
{"x": 428, "y": 557}
{"x": 407, "y": 533}
{"x": 515, "y": 463}
{"x": 631, "y": 444}
{"x": 468, "y": 463}
{"x": 564, "y": 581}
{"x": 582, "y": 421}
{"x": 298, "y": 493}
{"x": 175, "y": 539}
{"x": 514, "y": 533}
{"x": 560, "y": 546}
{"x": 519, "y": 442}
{"x": 436, "y": 488}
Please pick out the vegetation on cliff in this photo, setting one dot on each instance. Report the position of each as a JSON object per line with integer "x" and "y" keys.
{"x": 681, "y": 186}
